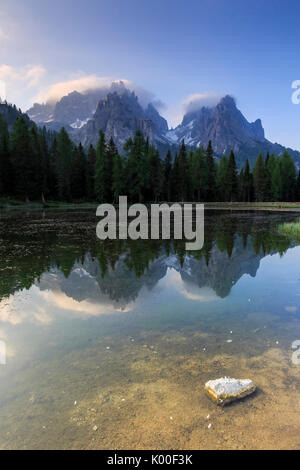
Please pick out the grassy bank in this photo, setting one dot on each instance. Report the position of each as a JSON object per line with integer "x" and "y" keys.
{"x": 253, "y": 205}
{"x": 8, "y": 204}
{"x": 292, "y": 229}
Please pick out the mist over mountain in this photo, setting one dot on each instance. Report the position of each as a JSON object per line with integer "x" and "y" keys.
{"x": 118, "y": 112}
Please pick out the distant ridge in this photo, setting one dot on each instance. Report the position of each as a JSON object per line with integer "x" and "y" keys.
{"x": 118, "y": 113}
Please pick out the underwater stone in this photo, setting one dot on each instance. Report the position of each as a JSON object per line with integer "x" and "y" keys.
{"x": 226, "y": 390}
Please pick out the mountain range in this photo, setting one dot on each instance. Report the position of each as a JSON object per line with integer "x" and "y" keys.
{"x": 119, "y": 114}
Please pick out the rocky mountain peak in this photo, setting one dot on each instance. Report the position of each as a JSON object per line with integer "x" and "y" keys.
{"x": 118, "y": 116}
{"x": 223, "y": 124}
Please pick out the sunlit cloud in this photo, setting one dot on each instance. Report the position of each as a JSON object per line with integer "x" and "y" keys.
{"x": 56, "y": 91}
{"x": 28, "y": 76}
{"x": 199, "y": 100}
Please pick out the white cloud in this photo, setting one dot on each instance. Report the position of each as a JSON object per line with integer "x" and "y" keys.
{"x": 34, "y": 74}
{"x": 192, "y": 103}
{"x": 199, "y": 100}
{"x": 56, "y": 91}
{"x": 29, "y": 75}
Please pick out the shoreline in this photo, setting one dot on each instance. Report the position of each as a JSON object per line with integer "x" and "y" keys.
{"x": 270, "y": 206}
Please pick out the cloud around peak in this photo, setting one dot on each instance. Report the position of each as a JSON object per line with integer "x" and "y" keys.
{"x": 56, "y": 91}
{"x": 199, "y": 100}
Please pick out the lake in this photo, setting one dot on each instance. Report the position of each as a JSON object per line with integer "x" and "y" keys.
{"x": 109, "y": 344}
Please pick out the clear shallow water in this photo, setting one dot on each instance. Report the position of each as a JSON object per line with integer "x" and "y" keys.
{"x": 123, "y": 336}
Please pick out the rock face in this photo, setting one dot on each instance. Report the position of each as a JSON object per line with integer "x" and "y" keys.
{"x": 228, "y": 130}
{"x": 41, "y": 113}
{"x": 224, "y": 125}
{"x": 226, "y": 390}
{"x": 115, "y": 110}
{"x": 118, "y": 116}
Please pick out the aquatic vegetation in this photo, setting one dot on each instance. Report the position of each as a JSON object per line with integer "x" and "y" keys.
{"x": 291, "y": 228}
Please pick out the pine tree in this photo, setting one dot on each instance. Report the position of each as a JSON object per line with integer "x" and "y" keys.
{"x": 45, "y": 166}
{"x": 201, "y": 172}
{"x": 90, "y": 173}
{"x": 53, "y": 166}
{"x": 5, "y": 164}
{"x": 22, "y": 162}
{"x": 175, "y": 179}
{"x": 36, "y": 161}
{"x": 167, "y": 176}
{"x": 118, "y": 185}
{"x": 156, "y": 175}
{"x": 297, "y": 190}
{"x": 276, "y": 183}
{"x": 112, "y": 152}
{"x": 100, "y": 169}
{"x": 78, "y": 173}
{"x": 231, "y": 179}
{"x": 259, "y": 179}
{"x": 288, "y": 175}
{"x": 222, "y": 172}
{"x": 247, "y": 184}
{"x": 63, "y": 165}
{"x": 211, "y": 179}
{"x": 182, "y": 173}
{"x": 137, "y": 167}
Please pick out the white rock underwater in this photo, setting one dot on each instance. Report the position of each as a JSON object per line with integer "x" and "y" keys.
{"x": 226, "y": 390}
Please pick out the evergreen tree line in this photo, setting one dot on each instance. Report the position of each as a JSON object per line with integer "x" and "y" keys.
{"x": 32, "y": 168}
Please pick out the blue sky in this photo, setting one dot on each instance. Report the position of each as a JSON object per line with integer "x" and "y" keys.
{"x": 171, "y": 48}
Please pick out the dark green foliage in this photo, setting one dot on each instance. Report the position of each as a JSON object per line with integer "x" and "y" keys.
{"x": 259, "y": 179}
{"x": 118, "y": 184}
{"x": 167, "y": 186}
{"x": 297, "y": 190}
{"x": 182, "y": 173}
{"x": 231, "y": 187}
{"x": 38, "y": 165}
{"x": 246, "y": 184}
{"x": 211, "y": 173}
{"x": 23, "y": 161}
{"x": 90, "y": 173}
{"x": 63, "y": 165}
{"x": 138, "y": 177}
{"x": 78, "y": 172}
{"x": 101, "y": 169}
{"x": 5, "y": 164}
{"x": 288, "y": 174}
{"x": 222, "y": 172}
{"x": 156, "y": 175}
{"x": 276, "y": 181}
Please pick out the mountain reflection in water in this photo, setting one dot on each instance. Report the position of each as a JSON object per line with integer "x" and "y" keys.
{"x": 60, "y": 253}
{"x": 124, "y": 335}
